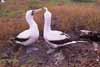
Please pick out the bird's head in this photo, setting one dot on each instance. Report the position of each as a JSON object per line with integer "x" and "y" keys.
{"x": 30, "y": 13}
{"x": 45, "y": 8}
{"x": 46, "y": 11}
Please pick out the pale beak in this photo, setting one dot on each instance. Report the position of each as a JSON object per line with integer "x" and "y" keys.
{"x": 36, "y": 11}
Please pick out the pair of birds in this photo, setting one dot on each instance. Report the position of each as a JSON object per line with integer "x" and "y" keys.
{"x": 53, "y": 37}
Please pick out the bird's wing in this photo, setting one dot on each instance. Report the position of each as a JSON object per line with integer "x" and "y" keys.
{"x": 55, "y": 31}
{"x": 21, "y": 39}
{"x": 52, "y": 35}
{"x": 62, "y": 34}
{"x": 60, "y": 41}
{"x": 56, "y": 37}
{"x": 68, "y": 36}
{"x": 24, "y": 35}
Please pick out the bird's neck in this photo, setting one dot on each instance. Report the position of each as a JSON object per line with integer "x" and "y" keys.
{"x": 47, "y": 24}
{"x": 32, "y": 23}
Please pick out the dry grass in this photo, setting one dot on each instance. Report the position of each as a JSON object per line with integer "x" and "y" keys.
{"x": 65, "y": 18}
{"x": 76, "y": 15}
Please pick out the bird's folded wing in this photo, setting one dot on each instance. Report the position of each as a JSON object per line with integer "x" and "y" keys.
{"x": 61, "y": 33}
{"x": 24, "y": 35}
{"x": 62, "y": 41}
{"x": 55, "y": 36}
{"x": 21, "y": 39}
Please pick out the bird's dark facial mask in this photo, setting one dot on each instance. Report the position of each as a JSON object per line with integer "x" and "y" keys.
{"x": 32, "y": 12}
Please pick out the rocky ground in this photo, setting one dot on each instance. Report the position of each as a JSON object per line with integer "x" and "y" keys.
{"x": 75, "y": 55}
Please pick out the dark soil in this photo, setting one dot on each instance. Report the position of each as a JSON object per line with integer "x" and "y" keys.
{"x": 75, "y": 55}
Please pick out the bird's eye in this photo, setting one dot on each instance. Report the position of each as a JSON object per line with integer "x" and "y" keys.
{"x": 32, "y": 13}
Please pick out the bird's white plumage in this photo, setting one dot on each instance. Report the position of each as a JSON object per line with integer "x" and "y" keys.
{"x": 24, "y": 34}
{"x": 2, "y": 1}
{"x": 52, "y": 34}
{"x": 31, "y": 34}
{"x": 55, "y": 38}
{"x": 55, "y": 35}
{"x": 61, "y": 33}
{"x": 48, "y": 33}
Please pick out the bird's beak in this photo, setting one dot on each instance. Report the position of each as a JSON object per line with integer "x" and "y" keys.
{"x": 44, "y": 8}
{"x": 36, "y": 11}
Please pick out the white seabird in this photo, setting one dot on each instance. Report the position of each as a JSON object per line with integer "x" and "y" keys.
{"x": 29, "y": 36}
{"x": 55, "y": 38}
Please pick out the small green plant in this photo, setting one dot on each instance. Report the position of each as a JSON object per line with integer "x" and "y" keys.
{"x": 59, "y": 1}
{"x": 6, "y": 13}
{"x": 11, "y": 14}
{"x": 34, "y": 4}
{"x": 2, "y": 13}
